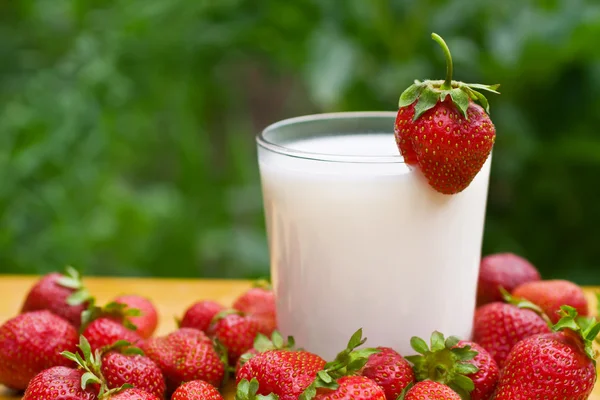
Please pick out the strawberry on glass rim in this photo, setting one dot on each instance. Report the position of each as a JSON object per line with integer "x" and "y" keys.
{"x": 444, "y": 128}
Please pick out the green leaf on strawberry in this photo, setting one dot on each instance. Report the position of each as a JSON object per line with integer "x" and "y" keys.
{"x": 113, "y": 310}
{"x": 429, "y": 93}
{"x": 445, "y": 362}
{"x": 71, "y": 279}
{"x": 524, "y": 304}
{"x": 348, "y": 362}
{"x": 587, "y": 328}
{"x": 246, "y": 390}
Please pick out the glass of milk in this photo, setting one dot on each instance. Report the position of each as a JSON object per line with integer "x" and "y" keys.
{"x": 357, "y": 238}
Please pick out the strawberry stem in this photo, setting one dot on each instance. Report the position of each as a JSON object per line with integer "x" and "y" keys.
{"x": 447, "y": 85}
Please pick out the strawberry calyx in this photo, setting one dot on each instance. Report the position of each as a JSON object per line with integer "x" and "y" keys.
{"x": 262, "y": 284}
{"x": 262, "y": 343}
{"x": 429, "y": 92}
{"x": 246, "y": 390}
{"x": 348, "y": 362}
{"x": 91, "y": 363}
{"x": 524, "y": 304}
{"x": 71, "y": 279}
{"x": 444, "y": 361}
{"x": 113, "y": 310}
{"x": 585, "y": 328}
{"x": 222, "y": 314}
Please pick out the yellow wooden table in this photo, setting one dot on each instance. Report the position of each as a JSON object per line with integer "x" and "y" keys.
{"x": 171, "y": 297}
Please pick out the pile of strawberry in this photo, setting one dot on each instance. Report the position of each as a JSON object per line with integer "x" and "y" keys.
{"x": 532, "y": 339}
{"x": 64, "y": 346}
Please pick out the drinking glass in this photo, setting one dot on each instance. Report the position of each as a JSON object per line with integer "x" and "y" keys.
{"x": 358, "y": 239}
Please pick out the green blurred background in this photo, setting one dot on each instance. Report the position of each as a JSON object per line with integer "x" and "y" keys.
{"x": 127, "y": 126}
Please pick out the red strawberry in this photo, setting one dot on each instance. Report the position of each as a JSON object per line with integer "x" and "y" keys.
{"x": 137, "y": 370}
{"x": 390, "y": 371}
{"x": 31, "y": 343}
{"x": 262, "y": 344}
{"x": 499, "y": 326}
{"x": 440, "y": 128}
{"x": 147, "y": 321}
{"x": 185, "y": 355}
{"x": 282, "y": 372}
{"x": 506, "y": 270}
{"x": 64, "y": 295}
{"x": 300, "y": 374}
{"x": 200, "y": 314}
{"x": 59, "y": 383}
{"x": 463, "y": 366}
{"x": 551, "y": 295}
{"x": 259, "y": 302}
{"x": 235, "y": 332}
{"x": 486, "y": 378}
{"x": 134, "y": 394}
{"x": 552, "y": 366}
{"x": 430, "y": 390}
{"x": 104, "y": 332}
{"x": 196, "y": 390}
{"x": 353, "y": 388}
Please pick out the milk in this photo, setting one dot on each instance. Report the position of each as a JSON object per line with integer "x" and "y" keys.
{"x": 368, "y": 244}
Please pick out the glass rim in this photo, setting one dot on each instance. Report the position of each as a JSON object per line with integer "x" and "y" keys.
{"x": 266, "y": 144}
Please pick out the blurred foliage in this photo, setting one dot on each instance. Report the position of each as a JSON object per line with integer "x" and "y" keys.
{"x": 127, "y": 126}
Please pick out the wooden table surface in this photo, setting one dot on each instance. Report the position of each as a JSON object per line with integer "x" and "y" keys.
{"x": 171, "y": 297}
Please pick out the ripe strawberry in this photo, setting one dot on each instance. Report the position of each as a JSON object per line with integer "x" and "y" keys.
{"x": 259, "y": 302}
{"x": 200, "y": 314}
{"x": 32, "y": 342}
{"x": 262, "y": 344}
{"x": 104, "y": 332}
{"x": 196, "y": 390}
{"x": 185, "y": 355}
{"x": 430, "y": 390}
{"x": 59, "y": 383}
{"x": 463, "y": 366}
{"x": 134, "y": 394}
{"x": 103, "y": 326}
{"x": 353, "y": 388}
{"x": 499, "y": 326}
{"x": 234, "y": 331}
{"x": 282, "y": 372}
{"x": 440, "y": 128}
{"x": 120, "y": 366}
{"x": 390, "y": 371}
{"x": 552, "y": 366}
{"x": 299, "y": 374}
{"x": 551, "y": 295}
{"x": 506, "y": 270}
{"x": 64, "y": 295}
{"x": 147, "y": 321}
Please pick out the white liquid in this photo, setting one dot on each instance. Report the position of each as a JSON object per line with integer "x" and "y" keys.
{"x": 369, "y": 245}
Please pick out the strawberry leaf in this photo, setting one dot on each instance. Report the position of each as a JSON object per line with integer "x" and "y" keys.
{"x": 489, "y": 88}
{"x": 410, "y": 95}
{"x": 427, "y": 100}
{"x": 447, "y": 362}
{"x": 262, "y": 284}
{"x": 461, "y": 99}
{"x": 71, "y": 356}
{"x": 70, "y": 279}
{"x": 419, "y": 345}
{"x": 84, "y": 345}
{"x": 587, "y": 328}
{"x": 524, "y": 304}
{"x": 88, "y": 378}
{"x": 78, "y": 297}
{"x": 405, "y": 391}
{"x": 356, "y": 340}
